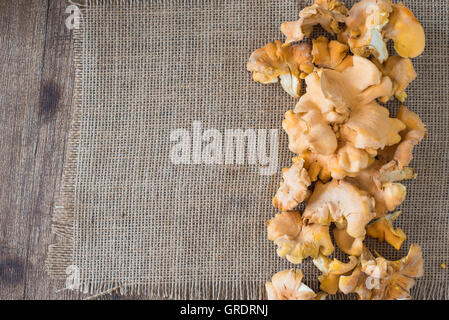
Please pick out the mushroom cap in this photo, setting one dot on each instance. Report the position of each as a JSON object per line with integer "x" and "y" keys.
{"x": 343, "y": 88}
{"x": 297, "y": 241}
{"x": 288, "y": 223}
{"x": 406, "y": 32}
{"x": 346, "y": 161}
{"x": 294, "y": 187}
{"x": 397, "y": 157}
{"x": 369, "y": 126}
{"x": 377, "y": 180}
{"x": 275, "y": 61}
{"x": 340, "y": 202}
{"x": 308, "y": 130}
{"x": 349, "y": 160}
{"x": 332, "y": 270}
{"x": 383, "y": 230}
{"x": 380, "y": 279}
{"x": 415, "y": 132}
{"x": 365, "y": 22}
{"x": 328, "y": 54}
{"x": 401, "y": 72}
{"x": 347, "y": 244}
{"x": 287, "y": 285}
{"x": 327, "y": 13}
{"x": 315, "y": 97}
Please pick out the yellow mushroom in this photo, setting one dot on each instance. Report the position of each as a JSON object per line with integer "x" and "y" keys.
{"x": 364, "y": 24}
{"x": 287, "y": 285}
{"x": 308, "y": 130}
{"x": 371, "y": 23}
{"x": 401, "y": 72}
{"x": 350, "y": 154}
{"x": 380, "y": 279}
{"x": 341, "y": 203}
{"x": 347, "y": 244}
{"x": 331, "y": 272}
{"x": 383, "y": 230}
{"x": 328, "y": 54}
{"x": 296, "y": 240}
{"x": 405, "y": 31}
{"x": 378, "y": 180}
{"x": 275, "y": 62}
{"x": 294, "y": 187}
{"x": 414, "y": 133}
{"x": 327, "y": 13}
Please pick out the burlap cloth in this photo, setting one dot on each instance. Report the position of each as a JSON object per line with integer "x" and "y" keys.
{"x": 131, "y": 219}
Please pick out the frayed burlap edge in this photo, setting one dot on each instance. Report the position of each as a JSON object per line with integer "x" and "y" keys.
{"x": 60, "y": 254}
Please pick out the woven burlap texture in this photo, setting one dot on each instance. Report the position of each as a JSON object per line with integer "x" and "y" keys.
{"x": 128, "y": 218}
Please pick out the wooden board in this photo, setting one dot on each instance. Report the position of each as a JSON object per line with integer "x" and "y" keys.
{"x": 36, "y": 80}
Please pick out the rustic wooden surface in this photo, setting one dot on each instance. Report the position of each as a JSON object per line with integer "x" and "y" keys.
{"x": 36, "y": 81}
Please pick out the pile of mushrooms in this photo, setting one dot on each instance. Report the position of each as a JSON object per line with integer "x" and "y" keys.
{"x": 350, "y": 153}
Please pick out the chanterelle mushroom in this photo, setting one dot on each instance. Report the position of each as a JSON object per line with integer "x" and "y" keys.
{"x": 294, "y": 188}
{"x": 383, "y": 230}
{"x": 335, "y": 124}
{"x": 405, "y": 31}
{"x": 380, "y": 279}
{"x": 401, "y": 72}
{"x": 342, "y": 203}
{"x": 347, "y": 244}
{"x": 287, "y": 63}
{"x": 315, "y": 97}
{"x": 307, "y": 130}
{"x": 415, "y": 131}
{"x": 346, "y": 161}
{"x": 328, "y": 54}
{"x": 369, "y": 126}
{"x": 337, "y": 93}
{"x": 287, "y": 285}
{"x": 365, "y": 23}
{"x": 379, "y": 182}
{"x": 332, "y": 270}
{"x": 381, "y": 177}
{"x": 327, "y": 13}
{"x": 371, "y": 23}
{"x": 297, "y": 241}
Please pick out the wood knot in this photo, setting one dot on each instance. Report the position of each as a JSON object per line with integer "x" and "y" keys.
{"x": 50, "y": 95}
{"x": 11, "y": 271}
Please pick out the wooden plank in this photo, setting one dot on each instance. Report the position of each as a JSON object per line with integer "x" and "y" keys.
{"x": 22, "y": 38}
{"x": 55, "y": 100}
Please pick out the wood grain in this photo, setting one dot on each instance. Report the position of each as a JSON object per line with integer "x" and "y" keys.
{"x": 37, "y": 79}
{"x": 37, "y": 84}
{"x": 53, "y": 113}
{"x": 22, "y": 46}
